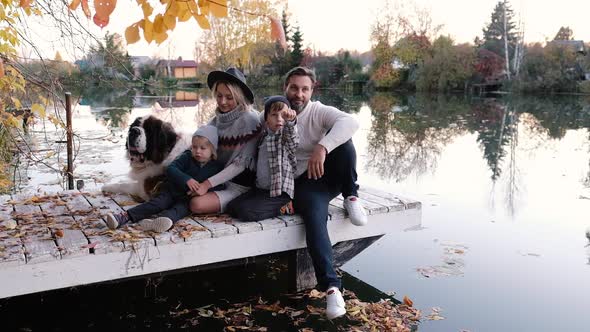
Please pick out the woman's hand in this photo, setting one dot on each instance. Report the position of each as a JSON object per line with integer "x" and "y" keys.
{"x": 203, "y": 188}
{"x": 193, "y": 186}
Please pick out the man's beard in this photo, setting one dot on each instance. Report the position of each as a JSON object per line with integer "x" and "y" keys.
{"x": 299, "y": 107}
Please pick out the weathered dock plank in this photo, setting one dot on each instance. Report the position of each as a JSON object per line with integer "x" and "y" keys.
{"x": 77, "y": 248}
{"x": 12, "y": 251}
{"x": 91, "y": 224}
{"x": 272, "y": 223}
{"x": 71, "y": 241}
{"x": 188, "y": 230}
{"x": 218, "y": 225}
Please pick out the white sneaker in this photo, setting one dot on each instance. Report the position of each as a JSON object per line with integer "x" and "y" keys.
{"x": 158, "y": 225}
{"x": 356, "y": 212}
{"x": 335, "y": 306}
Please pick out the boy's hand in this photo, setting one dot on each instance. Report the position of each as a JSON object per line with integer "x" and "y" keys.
{"x": 193, "y": 186}
{"x": 289, "y": 114}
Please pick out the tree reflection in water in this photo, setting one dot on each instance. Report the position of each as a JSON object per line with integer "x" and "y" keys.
{"x": 408, "y": 139}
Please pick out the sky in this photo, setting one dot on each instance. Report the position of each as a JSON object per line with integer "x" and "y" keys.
{"x": 330, "y": 25}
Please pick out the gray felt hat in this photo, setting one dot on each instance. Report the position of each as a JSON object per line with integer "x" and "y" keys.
{"x": 209, "y": 132}
{"x": 232, "y": 75}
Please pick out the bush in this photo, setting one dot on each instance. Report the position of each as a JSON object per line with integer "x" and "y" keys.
{"x": 584, "y": 87}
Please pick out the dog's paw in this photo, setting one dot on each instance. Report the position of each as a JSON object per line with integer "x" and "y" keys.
{"x": 108, "y": 188}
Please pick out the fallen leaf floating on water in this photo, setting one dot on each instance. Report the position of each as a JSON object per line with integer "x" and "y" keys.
{"x": 408, "y": 302}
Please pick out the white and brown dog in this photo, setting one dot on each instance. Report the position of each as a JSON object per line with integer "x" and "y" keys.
{"x": 152, "y": 144}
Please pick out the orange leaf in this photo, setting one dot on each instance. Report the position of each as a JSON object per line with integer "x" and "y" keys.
{"x": 74, "y": 5}
{"x": 408, "y": 302}
{"x": 59, "y": 233}
{"x": 1, "y": 68}
{"x": 25, "y": 3}
{"x": 85, "y": 8}
{"x": 101, "y": 22}
{"x": 277, "y": 32}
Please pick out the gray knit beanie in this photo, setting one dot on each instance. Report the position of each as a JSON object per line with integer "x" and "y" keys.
{"x": 209, "y": 132}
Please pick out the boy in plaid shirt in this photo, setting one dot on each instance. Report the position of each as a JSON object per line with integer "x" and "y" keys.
{"x": 275, "y": 168}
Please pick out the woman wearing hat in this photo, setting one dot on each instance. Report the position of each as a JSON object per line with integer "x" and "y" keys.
{"x": 239, "y": 128}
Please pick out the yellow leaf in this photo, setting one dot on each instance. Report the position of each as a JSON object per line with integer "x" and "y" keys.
{"x": 148, "y": 30}
{"x": 16, "y": 102}
{"x": 38, "y": 109}
{"x": 160, "y": 37}
{"x": 132, "y": 34}
{"x": 170, "y": 21}
{"x": 147, "y": 9}
{"x": 2, "y": 13}
{"x": 159, "y": 26}
{"x": 218, "y": 9}
{"x": 204, "y": 5}
{"x": 184, "y": 15}
{"x": 203, "y": 22}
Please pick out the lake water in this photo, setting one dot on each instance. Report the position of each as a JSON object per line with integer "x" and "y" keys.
{"x": 504, "y": 184}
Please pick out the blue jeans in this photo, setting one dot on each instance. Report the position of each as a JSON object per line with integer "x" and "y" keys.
{"x": 312, "y": 198}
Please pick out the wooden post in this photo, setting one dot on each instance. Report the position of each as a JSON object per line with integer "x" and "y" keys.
{"x": 70, "y": 143}
{"x": 301, "y": 272}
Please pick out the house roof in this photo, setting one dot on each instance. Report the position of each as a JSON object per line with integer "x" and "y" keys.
{"x": 575, "y": 45}
{"x": 178, "y": 63}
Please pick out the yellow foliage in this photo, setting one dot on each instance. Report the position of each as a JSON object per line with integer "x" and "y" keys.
{"x": 203, "y": 21}
{"x": 132, "y": 34}
{"x": 217, "y": 10}
{"x": 38, "y": 109}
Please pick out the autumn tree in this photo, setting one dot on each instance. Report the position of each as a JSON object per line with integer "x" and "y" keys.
{"x": 448, "y": 67}
{"x": 564, "y": 33}
{"x": 239, "y": 39}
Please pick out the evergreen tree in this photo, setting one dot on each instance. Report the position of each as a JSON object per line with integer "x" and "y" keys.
{"x": 564, "y": 33}
{"x": 493, "y": 33}
{"x": 285, "y": 23}
{"x": 297, "y": 51}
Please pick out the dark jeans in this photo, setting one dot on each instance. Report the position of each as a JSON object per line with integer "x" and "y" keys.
{"x": 256, "y": 204}
{"x": 163, "y": 205}
{"x": 312, "y": 198}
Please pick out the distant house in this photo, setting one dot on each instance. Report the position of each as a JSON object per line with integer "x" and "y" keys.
{"x": 576, "y": 46}
{"x": 177, "y": 68}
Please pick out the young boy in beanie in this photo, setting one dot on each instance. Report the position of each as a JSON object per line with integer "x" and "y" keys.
{"x": 183, "y": 177}
{"x": 275, "y": 167}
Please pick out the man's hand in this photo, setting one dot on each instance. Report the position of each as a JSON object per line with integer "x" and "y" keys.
{"x": 315, "y": 165}
{"x": 203, "y": 188}
{"x": 193, "y": 186}
{"x": 289, "y": 114}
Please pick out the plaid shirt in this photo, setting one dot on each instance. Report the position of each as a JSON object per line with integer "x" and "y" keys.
{"x": 281, "y": 159}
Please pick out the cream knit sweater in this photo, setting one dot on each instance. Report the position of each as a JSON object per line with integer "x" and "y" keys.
{"x": 313, "y": 122}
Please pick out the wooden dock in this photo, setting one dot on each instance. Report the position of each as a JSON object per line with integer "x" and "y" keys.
{"x": 61, "y": 240}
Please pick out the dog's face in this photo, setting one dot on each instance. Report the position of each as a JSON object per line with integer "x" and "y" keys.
{"x": 149, "y": 141}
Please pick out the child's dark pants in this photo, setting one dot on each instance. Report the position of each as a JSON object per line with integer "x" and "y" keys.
{"x": 257, "y": 204}
{"x": 163, "y": 205}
